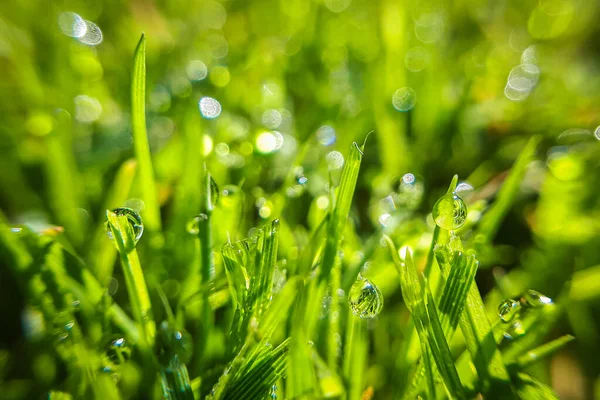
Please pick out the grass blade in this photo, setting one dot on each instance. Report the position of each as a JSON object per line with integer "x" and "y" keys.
{"x": 543, "y": 351}
{"x": 134, "y": 276}
{"x": 490, "y": 222}
{"x": 140, "y": 137}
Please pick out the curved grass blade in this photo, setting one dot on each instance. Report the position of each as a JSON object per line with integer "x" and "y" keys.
{"x": 140, "y": 137}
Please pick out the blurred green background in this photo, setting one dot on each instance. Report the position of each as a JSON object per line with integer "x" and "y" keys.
{"x": 446, "y": 87}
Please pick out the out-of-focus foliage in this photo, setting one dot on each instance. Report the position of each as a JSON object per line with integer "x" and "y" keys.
{"x": 269, "y": 96}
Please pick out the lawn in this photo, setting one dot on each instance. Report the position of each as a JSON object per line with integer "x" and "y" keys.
{"x": 301, "y": 199}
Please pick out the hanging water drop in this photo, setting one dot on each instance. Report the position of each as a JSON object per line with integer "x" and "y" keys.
{"x": 534, "y": 299}
{"x": 193, "y": 225}
{"x": 134, "y": 220}
{"x": 508, "y": 309}
{"x": 365, "y": 299}
{"x": 173, "y": 346}
{"x": 450, "y": 212}
{"x": 118, "y": 351}
{"x": 274, "y": 392}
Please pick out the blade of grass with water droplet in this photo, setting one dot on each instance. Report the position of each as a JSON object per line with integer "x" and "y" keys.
{"x": 102, "y": 252}
{"x": 134, "y": 276}
{"x": 491, "y": 220}
{"x": 140, "y": 138}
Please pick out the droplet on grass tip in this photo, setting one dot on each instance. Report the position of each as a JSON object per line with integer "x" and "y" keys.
{"x": 209, "y": 107}
{"x": 193, "y": 225}
{"x": 134, "y": 219}
{"x": 450, "y": 212}
{"x": 365, "y": 299}
{"x": 404, "y": 99}
{"x": 118, "y": 351}
{"x": 534, "y": 299}
{"x": 508, "y": 309}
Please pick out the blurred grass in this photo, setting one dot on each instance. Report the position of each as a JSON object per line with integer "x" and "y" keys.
{"x": 507, "y": 97}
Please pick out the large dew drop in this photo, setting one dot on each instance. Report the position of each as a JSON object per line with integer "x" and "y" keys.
{"x": 450, "y": 212}
{"x": 134, "y": 219}
{"x": 365, "y": 299}
{"x": 209, "y": 107}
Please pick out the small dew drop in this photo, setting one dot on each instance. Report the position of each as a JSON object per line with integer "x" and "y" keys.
{"x": 173, "y": 346}
{"x": 335, "y": 160}
{"x": 134, "y": 219}
{"x": 508, "y": 309}
{"x": 193, "y": 225}
{"x": 450, "y": 212}
{"x": 404, "y": 99}
{"x": 196, "y": 70}
{"x": 365, "y": 299}
{"x": 92, "y": 35}
{"x": 209, "y": 107}
{"x": 118, "y": 351}
{"x": 326, "y": 135}
{"x": 72, "y": 24}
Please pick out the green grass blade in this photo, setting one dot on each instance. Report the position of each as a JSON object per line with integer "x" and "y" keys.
{"x": 134, "y": 276}
{"x": 343, "y": 201}
{"x": 491, "y": 220}
{"x": 531, "y": 389}
{"x": 140, "y": 138}
{"x": 102, "y": 252}
{"x": 543, "y": 351}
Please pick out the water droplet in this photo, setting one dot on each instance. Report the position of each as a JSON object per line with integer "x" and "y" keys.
{"x": 508, "y": 309}
{"x": 134, "y": 219}
{"x": 209, "y": 107}
{"x": 464, "y": 189}
{"x": 404, "y": 99}
{"x": 597, "y": 133}
{"x": 515, "y": 331}
{"x": 173, "y": 346}
{"x": 196, "y": 70}
{"x": 449, "y": 212}
{"x": 534, "y": 299}
{"x": 92, "y": 35}
{"x": 16, "y": 230}
{"x": 72, "y": 24}
{"x": 326, "y": 135}
{"x": 193, "y": 226}
{"x": 267, "y": 142}
{"x": 365, "y": 299}
{"x": 272, "y": 118}
{"x": 274, "y": 392}
{"x": 118, "y": 351}
{"x": 335, "y": 160}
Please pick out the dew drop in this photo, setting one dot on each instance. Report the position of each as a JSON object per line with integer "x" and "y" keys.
{"x": 134, "y": 219}
{"x": 508, "y": 309}
{"x": 450, "y": 212}
{"x": 534, "y": 299}
{"x": 209, "y": 107}
{"x": 515, "y": 331}
{"x": 72, "y": 24}
{"x": 92, "y": 35}
{"x": 404, "y": 99}
{"x": 365, "y": 299}
{"x": 118, "y": 351}
{"x": 193, "y": 226}
{"x": 173, "y": 346}
{"x": 335, "y": 160}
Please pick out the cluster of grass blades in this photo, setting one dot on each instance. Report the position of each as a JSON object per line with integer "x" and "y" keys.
{"x": 260, "y": 333}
